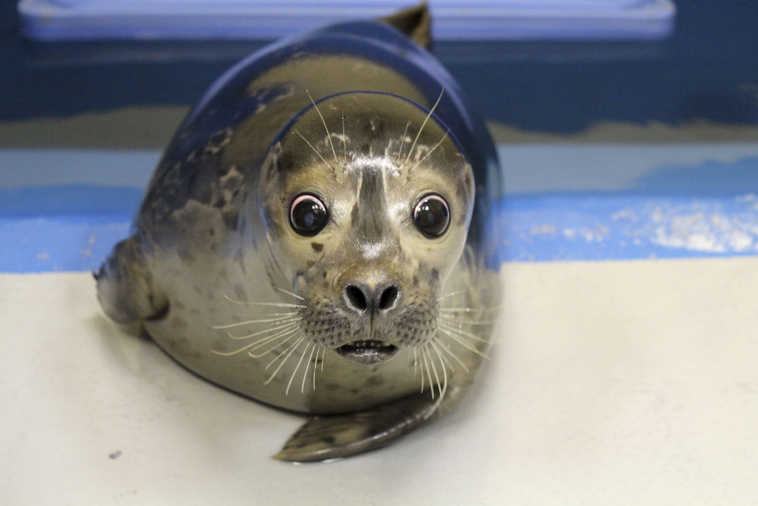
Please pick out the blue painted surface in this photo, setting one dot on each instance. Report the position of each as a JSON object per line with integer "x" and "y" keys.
{"x": 590, "y": 202}
{"x": 187, "y": 19}
{"x": 59, "y": 243}
{"x": 53, "y": 229}
{"x": 625, "y": 225}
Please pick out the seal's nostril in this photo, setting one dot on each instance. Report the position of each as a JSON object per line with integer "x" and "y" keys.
{"x": 388, "y": 297}
{"x": 356, "y": 298}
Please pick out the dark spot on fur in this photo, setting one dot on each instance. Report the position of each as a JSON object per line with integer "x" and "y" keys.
{"x": 329, "y": 439}
{"x": 185, "y": 253}
{"x": 285, "y": 161}
{"x": 373, "y": 381}
{"x": 223, "y": 170}
{"x": 179, "y": 323}
{"x": 435, "y": 274}
{"x": 317, "y": 246}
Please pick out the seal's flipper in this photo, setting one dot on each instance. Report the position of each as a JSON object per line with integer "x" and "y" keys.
{"x": 415, "y": 22}
{"x": 336, "y": 436}
{"x": 125, "y": 286}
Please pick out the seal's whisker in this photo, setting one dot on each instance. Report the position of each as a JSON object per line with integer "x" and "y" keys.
{"x": 285, "y": 331}
{"x": 307, "y": 366}
{"x": 402, "y": 143}
{"x": 284, "y": 352}
{"x": 281, "y": 318}
{"x": 297, "y": 132}
{"x": 297, "y": 367}
{"x": 429, "y": 153}
{"x": 418, "y": 134}
{"x": 463, "y": 333}
{"x": 434, "y": 370}
{"x": 253, "y": 303}
{"x": 267, "y": 330}
{"x": 315, "y": 363}
{"x": 444, "y": 370}
{"x": 250, "y": 346}
{"x": 468, "y": 309}
{"x": 421, "y": 370}
{"x": 453, "y": 356}
{"x": 344, "y": 139}
{"x": 425, "y": 356}
{"x": 465, "y": 322}
{"x": 268, "y": 340}
{"x": 271, "y": 260}
{"x": 291, "y": 349}
{"x": 271, "y": 348}
{"x": 287, "y": 292}
{"x": 323, "y": 122}
{"x": 451, "y": 294}
{"x": 435, "y": 344}
{"x": 463, "y": 343}
{"x": 288, "y": 334}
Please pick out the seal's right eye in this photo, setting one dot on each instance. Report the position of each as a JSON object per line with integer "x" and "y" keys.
{"x": 308, "y": 214}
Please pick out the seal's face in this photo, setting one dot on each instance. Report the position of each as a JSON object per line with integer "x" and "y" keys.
{"x": 366, "y": 215}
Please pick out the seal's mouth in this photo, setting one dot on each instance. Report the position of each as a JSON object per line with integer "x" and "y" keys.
{"x": 367, "y": 352}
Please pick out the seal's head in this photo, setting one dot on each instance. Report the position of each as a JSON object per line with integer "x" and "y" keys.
{"x": 366, "y": 202}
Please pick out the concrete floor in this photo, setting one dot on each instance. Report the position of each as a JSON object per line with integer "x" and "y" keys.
{"x": 624, "y": 383}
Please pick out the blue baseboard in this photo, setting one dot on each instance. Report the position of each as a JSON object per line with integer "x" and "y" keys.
{"x": 588, "y": 203}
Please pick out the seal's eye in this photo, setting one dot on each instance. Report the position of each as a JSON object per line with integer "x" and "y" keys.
{"x": 431, "y": 215}
{"x": 308, "y": 214}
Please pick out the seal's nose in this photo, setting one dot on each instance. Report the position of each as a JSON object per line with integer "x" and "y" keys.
{"x": 361, "y": 298}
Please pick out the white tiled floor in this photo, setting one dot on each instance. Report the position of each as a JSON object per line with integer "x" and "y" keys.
{"x": 614, "y": 383}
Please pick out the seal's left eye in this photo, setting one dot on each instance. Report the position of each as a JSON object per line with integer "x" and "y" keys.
{"x": 308, "y": 214}
{"x": 431, "y": 215}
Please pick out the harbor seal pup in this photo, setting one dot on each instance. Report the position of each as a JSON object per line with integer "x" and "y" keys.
{"x": 315, "y": 237}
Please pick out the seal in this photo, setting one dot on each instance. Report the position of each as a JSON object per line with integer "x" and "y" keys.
{"x": 316, "y": 236}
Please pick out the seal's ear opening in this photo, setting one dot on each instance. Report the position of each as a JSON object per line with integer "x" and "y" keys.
{"x": 415, "y": 22}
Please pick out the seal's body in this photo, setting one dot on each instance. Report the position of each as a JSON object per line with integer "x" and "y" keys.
{"x": 314, "y": 237}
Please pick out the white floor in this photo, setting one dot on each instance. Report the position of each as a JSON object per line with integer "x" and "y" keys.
{"x": 617, "y": 383}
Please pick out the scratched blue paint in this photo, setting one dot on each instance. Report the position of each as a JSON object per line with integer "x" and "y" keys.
{"x": 61, "y": 243}
{"x": 587, "y": 202}
{"x": 626, "y": 226}
{"x": 72, "y": 228}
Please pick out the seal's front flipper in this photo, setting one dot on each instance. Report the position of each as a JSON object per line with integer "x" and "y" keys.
{"x": 415, "y": 22}
{"x": 335, "y": 436}
{"x": 125, "y": 287}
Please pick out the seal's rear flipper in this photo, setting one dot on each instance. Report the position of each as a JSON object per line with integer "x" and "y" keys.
{"x": 415, "y": 22}
{"x": 125, "y": 287}
{"x": 336, "y": 436}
